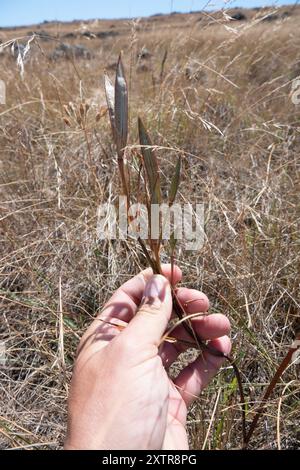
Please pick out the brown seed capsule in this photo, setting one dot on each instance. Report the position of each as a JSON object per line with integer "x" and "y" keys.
{"x": 103, "y": 110}
{"x": 82, "y": 109}
{"x": 78, "y": 119}
{"x": 67, "y": 122}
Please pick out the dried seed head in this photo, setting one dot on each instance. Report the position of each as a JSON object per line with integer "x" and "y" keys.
{"x": 102, "y": 111}
{"x": 82, "y": 109}
{"x": 67, "y": 122}
{"x": 67, "y": 110}
{"x": 72, "y": 107}
{"x": 79, "y": 119}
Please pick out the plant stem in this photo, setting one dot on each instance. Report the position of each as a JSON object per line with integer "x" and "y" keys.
{"x": 122, "y": 172}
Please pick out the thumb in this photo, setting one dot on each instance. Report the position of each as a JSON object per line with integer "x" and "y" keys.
{"x": 153, "y": 315}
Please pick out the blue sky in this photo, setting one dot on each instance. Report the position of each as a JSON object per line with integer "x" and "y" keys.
{"x": 26, "y": 12}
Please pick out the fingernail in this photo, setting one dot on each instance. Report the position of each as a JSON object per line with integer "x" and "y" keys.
{"x": 155, "y": 290}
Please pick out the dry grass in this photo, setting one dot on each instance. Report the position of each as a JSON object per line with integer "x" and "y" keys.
{"x": 222, "y": 99}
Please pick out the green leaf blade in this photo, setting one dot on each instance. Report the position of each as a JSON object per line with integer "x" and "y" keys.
{"x": 150, "y": 163}
{"x": 121, "y": 106}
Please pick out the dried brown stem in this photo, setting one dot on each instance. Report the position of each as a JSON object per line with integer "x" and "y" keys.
{"x": 280, "y": 370}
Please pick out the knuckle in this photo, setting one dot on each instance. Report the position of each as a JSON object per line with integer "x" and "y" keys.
{"x": 147, "y": 309}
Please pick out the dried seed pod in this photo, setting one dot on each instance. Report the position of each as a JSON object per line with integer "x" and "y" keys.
{"x": 102, "y": 111}
{"x": 67, "y": 122}
{"x": 78, "y": 119}
{"x": 72, "y": 107}
{"x": 82, "y": 109}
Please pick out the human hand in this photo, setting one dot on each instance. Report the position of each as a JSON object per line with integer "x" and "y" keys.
{"x": 121, "y": 396}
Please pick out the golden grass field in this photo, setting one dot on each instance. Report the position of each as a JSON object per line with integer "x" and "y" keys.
{"x": 219, "y": 93}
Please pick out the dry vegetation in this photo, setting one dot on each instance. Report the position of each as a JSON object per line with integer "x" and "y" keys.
{"x": 219, "y": 93}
